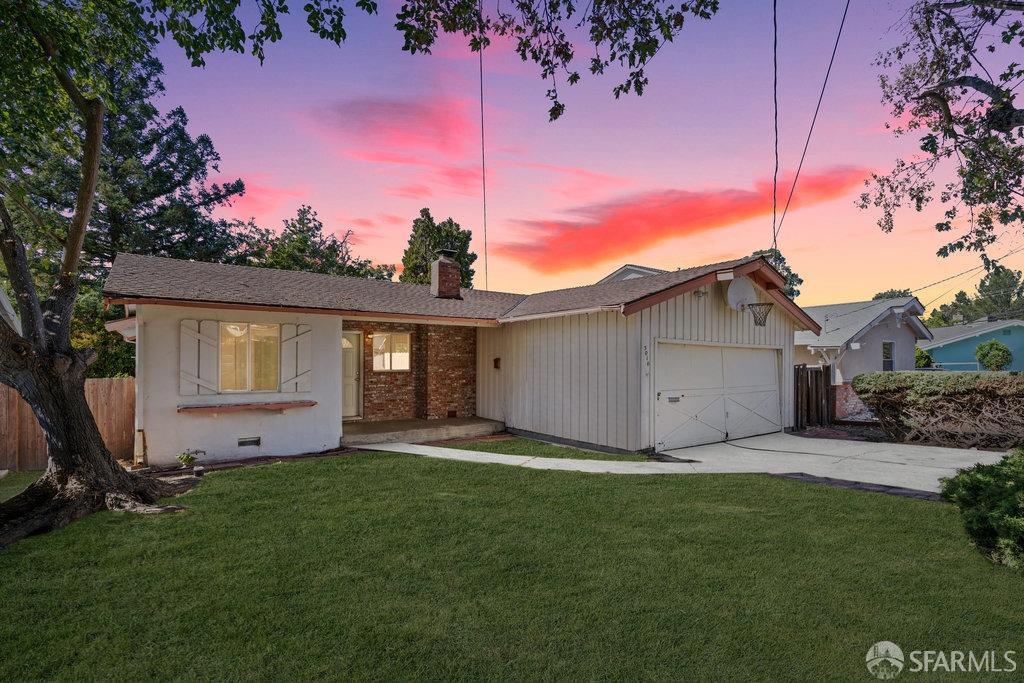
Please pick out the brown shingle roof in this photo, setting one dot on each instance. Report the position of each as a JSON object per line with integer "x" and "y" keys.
{"x": 163, "y": 279}
{"x": 151, "y": 277}
{"x": 617, "y": 293}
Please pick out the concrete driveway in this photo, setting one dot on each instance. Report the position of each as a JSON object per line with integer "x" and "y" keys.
{"x": 885, "y": 464}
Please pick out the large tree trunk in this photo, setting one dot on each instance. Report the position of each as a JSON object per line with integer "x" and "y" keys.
{"x": 81, "y": 475}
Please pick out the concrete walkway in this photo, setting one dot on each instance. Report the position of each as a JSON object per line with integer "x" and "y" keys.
{"x": 917, "y": 468}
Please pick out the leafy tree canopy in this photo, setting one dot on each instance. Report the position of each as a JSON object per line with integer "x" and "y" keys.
{"x": 427, "y": 238}
{"x": 891, "y": 294}
{"x": 951, "y": 83}
{"x": 1000, "y": 293}
{"x": 922, "y": 358}
{"x": 303, "y": 245}
{"x": 778, "y": 261}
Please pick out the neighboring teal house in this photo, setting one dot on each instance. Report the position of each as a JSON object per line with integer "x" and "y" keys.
{"x": 953, "y": 347}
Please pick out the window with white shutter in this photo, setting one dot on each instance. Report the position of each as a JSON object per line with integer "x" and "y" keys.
{"x": 296, "y": 358}
{"x": 197, "y": 360}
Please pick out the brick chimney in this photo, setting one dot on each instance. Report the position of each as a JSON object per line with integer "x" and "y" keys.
{"x": 445, "y": 276}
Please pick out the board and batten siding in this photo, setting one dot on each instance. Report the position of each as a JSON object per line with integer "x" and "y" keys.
{"x": 588, "y": 377}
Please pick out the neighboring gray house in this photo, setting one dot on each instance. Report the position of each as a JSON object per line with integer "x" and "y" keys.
{"x": 859, "y": 337}
{"x": 629, "y": 272}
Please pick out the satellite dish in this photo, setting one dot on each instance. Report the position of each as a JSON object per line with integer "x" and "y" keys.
{"x": 741, "y": 293}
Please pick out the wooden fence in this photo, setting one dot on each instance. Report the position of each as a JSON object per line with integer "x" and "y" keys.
{"x": 21, "y": 440}
{"x": 814, "y": 400}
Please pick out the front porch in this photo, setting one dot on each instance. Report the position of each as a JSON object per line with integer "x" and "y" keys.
{"x": 417, "y": 430}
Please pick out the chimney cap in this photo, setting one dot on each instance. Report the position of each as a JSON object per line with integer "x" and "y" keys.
{"x": 447, "y": 251}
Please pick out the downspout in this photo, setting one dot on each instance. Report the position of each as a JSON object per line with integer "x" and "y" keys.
{"x": 139, "y": 450}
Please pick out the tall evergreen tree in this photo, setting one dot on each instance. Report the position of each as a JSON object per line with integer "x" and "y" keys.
{"x": 427, "y": 238}
{"x": 302, "y": 245}
{"x": 1000, "y": 293}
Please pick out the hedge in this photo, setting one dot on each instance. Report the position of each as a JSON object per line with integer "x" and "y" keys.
{"x": 966, "y": 409}
{"x": 991, "y": 503}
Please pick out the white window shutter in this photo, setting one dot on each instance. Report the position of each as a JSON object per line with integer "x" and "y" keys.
{"x": 188, "y": 358}
{"x": 197, "y": 357}
{"x": 209, "y": 347}
{"x": 296, "y": 358}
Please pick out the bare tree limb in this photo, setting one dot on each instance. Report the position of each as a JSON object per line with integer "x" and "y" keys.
{"x": 1006, "y": 5}
{"x": 12, "y": 249}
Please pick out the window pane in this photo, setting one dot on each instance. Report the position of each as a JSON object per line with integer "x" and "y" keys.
{"x": 400, "y": 351}
{"x": 886, "y": 350}
{"x": 381, "y": 357}
{"x": 266, "y": 356}
{"x": 234, "y": 357}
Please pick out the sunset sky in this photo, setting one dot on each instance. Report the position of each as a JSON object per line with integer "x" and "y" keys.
{"x": 368, "y": 135}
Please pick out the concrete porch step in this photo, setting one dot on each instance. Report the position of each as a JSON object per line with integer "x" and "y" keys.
{"x": 417, "y": 431}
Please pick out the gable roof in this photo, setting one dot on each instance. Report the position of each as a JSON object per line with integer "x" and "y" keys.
{"x": 955, "y": 333}
{"x": 155, "y": 279}
{"x": 844, "y": 323}
{"x": 152, "y": 279}
{"x": 630, "y": 271}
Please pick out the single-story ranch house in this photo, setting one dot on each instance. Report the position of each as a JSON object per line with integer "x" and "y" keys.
{"x": 952, "y": 348}
{"x": 238, "y": 361}
{"x": 859, "y": 337}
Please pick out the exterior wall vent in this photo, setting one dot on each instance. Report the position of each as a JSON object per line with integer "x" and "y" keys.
{"x": 249, "y": 441}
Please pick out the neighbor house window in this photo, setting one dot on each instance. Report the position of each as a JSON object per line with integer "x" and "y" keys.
{"x": 250, "y": 357}
{"x": 887, "y": 356}
{"x": 391, "y": 351}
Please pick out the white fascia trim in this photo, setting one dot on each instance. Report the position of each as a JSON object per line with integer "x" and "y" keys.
{"x": 560, "y": 314}
{"x": 968, "y": 335}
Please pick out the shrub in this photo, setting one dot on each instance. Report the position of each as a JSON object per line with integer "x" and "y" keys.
{"x": 190, "y": 457}
{"x": 991, "y": 503}
{"x": 965, "y": 409}
{"x": 993, "y": 354}
{"x": 922, "y": 359}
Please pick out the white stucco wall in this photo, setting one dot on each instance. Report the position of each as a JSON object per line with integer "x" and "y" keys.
{"x": 296, "y": 431}
{"x": 868, "y": 358}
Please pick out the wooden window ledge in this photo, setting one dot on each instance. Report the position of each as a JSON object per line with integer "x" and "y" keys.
{"x": 275, "y": 407}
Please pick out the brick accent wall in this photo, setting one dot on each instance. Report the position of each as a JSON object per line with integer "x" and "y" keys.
{"x": 442, "y": 375}
{"x": 450, "y": 371}
{"x": 849, "y": 406}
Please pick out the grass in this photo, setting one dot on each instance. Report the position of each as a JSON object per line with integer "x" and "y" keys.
{"x": 396, "y": 567}
{"x": 539, "y": 449}
{"x": 16, "y": 482}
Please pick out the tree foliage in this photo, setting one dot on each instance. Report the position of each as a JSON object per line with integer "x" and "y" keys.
{"x": 1000, "y": 293}
{"x": 892, "y": 294}
{"x": 303, "y": 245}
{"x": 951, "y": 83}
{"x": 922, "y": 358}
{"x": 993, "y": 355}
{"x": 778, "y": 261}
{"x": 426, "y": 239}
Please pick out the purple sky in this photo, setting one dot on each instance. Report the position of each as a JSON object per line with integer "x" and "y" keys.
{"x": 368, "y": 135}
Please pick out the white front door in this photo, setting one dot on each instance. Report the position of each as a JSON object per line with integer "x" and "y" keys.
{"x": 713, "y": 393}
{"x": 352, "y": 373}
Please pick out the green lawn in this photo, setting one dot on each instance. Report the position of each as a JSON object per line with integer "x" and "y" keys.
{"x": 539, "y": 449}
{"x": 15, "y": 482}
{"x": 398, "y": 567}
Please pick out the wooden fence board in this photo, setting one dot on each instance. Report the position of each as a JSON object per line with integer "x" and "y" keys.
{"x": 813, "y": 397}
{"x": 112, "y": 400}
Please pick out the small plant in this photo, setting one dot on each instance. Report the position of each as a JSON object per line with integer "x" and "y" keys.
{"x": 922, "y": 359}
{"x": 991, "y": 502}
{"x": 190, "y": 457}
{"x": 993, "y": 354}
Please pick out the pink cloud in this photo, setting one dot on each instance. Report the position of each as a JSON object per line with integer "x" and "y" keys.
{"x": 609, "y": 230}
{"x": 379, "y": 125}
{"x": 578, "y": 183}
{"x": 263, "y": 200}
{"x": 411, "y": 191}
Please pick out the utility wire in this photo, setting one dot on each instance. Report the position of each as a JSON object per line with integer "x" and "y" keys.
{"x": 483, "y": 155}
{"x": 814, "y": 119}
{"x": 775, "y": 101}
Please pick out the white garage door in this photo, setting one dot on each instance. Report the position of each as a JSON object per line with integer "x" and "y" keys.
{"x": 713, "y": 393}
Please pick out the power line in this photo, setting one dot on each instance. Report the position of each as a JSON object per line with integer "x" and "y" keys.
{"x": 483, "y": 155}
{"x": 969, "y": 270}
{"x": 810, "y": 131}
{"x": 775, "y": 101}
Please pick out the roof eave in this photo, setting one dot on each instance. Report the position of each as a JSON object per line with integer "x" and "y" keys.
{"x": 113, "y": 298}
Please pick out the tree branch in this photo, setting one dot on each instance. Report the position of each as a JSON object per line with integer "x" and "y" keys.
{"x": 1005, "y": 5}
{"x": 12, "y": 249}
